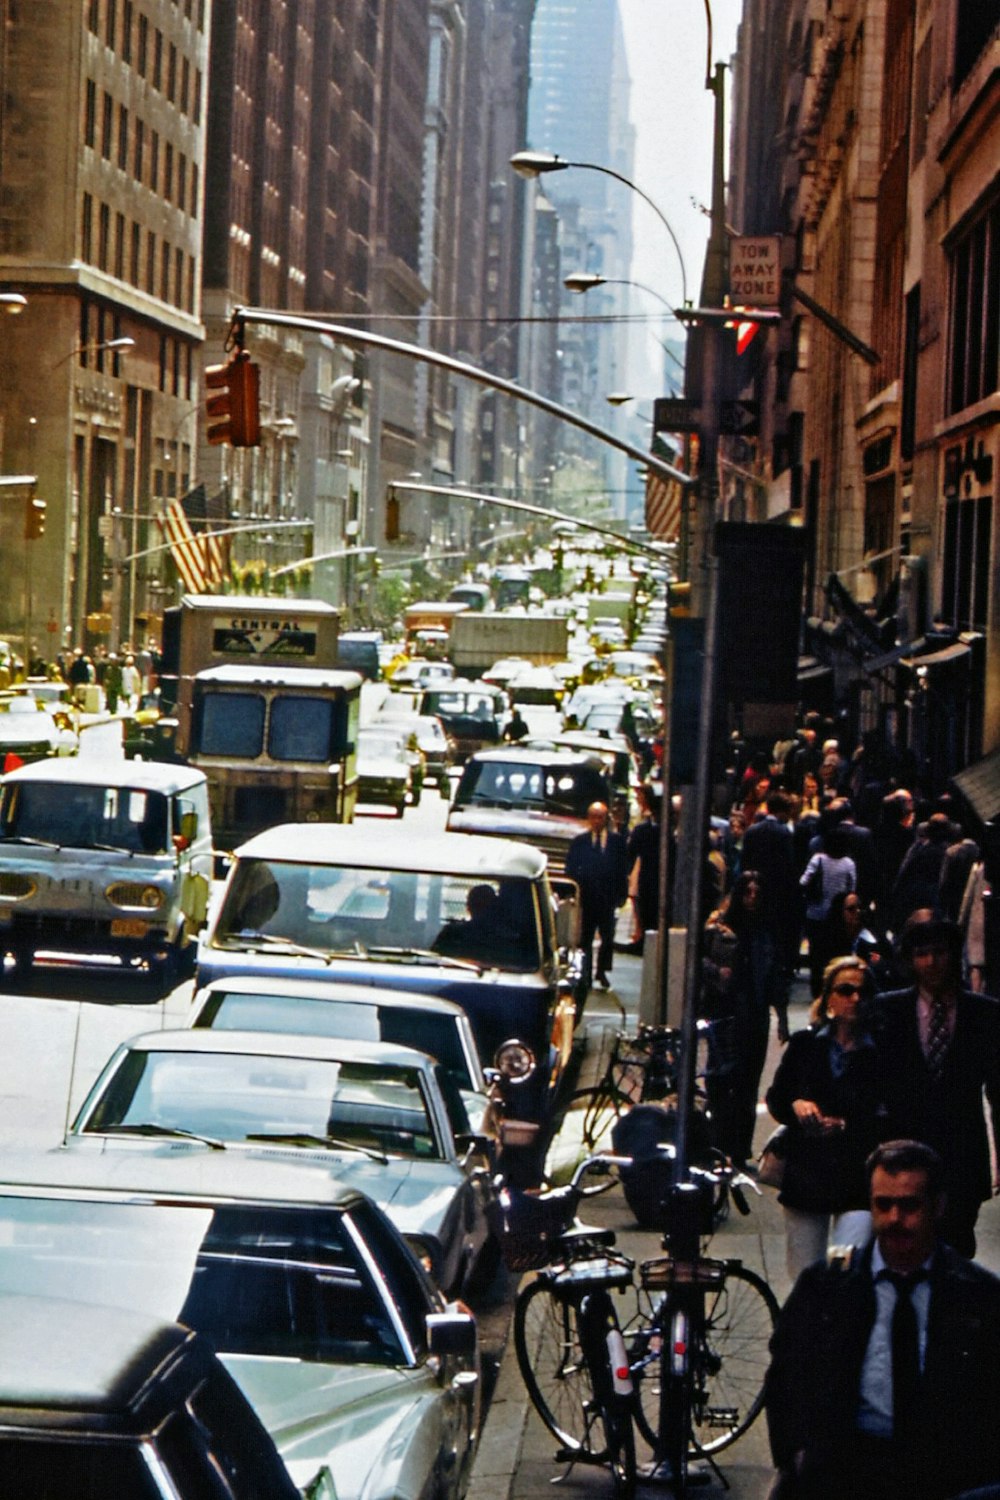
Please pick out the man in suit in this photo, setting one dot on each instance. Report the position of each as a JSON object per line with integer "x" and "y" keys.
{"x": 598, "y": 861}
{"x": 884, "y": 1380}
{"x": 769, "y": 849}
{"x": 941, "y": 1045}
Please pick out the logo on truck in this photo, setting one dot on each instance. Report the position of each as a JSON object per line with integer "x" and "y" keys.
{"x": 245, "y": 636}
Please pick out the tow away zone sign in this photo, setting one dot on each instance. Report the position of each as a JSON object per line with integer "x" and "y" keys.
{"x": 755, "y": 270}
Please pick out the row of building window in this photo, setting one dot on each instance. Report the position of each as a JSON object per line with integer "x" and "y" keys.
{"x": 125, "y": 251}
{"x": 128, "y": 34}
{"x": 167, "y": 172}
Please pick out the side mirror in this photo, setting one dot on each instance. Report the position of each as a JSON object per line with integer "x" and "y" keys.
{"x": 452, "y": 1333}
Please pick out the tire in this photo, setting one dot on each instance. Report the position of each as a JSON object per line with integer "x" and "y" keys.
{"x": 554, "y": 1371}
{"x": 601, "y": 1108}
{"x": 614, "y": 1409}
{"x": 729, "y": 1361}
{"x": 620, "y": 1436}
{"x": 399, "y": 809}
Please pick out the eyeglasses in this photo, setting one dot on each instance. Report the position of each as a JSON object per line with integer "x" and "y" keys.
{"x": 848, "y": 989}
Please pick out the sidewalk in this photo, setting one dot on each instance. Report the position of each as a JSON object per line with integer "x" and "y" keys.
{"x": 515, "y": 1457}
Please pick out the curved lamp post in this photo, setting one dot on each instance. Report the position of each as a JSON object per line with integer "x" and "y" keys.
{"x": 532, "y": 164}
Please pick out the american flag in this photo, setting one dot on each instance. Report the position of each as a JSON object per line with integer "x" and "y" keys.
{"x": 663, "y": 507}
{"x": 201, "y": 558}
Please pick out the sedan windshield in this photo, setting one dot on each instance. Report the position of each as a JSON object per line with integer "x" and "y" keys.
{"x": 85, "y": 817}
{"x": 237, "y": 1097}
{"x": 382, "y": 914}
{"x": 556, "y": 789}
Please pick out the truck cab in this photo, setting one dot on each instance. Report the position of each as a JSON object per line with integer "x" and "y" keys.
{"x": 275, "y": 743}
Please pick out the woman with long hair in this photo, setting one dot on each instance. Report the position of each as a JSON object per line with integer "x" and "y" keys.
{"x": 827, "y": 1093}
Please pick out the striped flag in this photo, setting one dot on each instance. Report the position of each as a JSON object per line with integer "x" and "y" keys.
{"x": 202, "y": 512}
{"x": 663, "y": 507}
{"x": 201, "y": 558}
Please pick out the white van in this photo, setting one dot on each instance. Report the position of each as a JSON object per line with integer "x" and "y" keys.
{"x": 108, "y": 860}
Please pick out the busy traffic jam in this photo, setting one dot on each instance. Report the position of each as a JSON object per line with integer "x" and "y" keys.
{"x": 297, "y": 953}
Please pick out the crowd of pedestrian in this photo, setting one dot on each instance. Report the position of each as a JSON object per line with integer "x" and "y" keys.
{"x": 885, "y": 1108}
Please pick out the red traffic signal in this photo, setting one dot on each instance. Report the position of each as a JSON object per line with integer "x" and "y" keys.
{"x": 34, "y": 519}
{"x": 235, "y": 412}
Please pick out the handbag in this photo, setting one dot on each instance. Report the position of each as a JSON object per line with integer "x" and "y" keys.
{"x": 771, "y": 1162}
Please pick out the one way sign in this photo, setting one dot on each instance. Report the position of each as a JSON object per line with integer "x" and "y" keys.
{"x": 738, "y": 418}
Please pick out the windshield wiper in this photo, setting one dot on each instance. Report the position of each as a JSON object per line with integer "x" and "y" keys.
{"x": 24, "y": 838}
{"x": 150, "y": 1127}
{"x": 428, "y": 955}
{"x": 292, "y": 945}
{"x": 319, "y": 1142}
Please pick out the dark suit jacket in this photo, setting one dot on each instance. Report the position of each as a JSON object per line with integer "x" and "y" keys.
{"x": 601, "y": 874}
{"x": 818, "y": 1350}
{"x": 947, "y": 1115}
{"x": 769, "y": 848}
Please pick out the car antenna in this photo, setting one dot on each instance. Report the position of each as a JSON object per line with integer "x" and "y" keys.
{"x": 72, "y": 1069}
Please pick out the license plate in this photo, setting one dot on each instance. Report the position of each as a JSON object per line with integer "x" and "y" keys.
{"x": 129, "y": 927}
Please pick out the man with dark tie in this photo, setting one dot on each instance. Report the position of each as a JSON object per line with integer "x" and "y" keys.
{"x": 598, "y": 861}
{"x": 941, "y": 1045}
{"x": 884, "y": 1381}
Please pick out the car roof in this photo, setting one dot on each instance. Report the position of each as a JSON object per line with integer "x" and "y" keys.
{"x": 531, "y": 755}
{"x": 276, "y": 1044}
{"x": 143, "y": 775}
{"x": 76, "y": 1357}
{"x": 320, "y": 989}
{"x": 363, "y": 847}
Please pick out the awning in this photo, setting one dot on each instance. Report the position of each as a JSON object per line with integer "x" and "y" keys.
{"x": 979, "y": 787}
{"x": 894, "y": 657}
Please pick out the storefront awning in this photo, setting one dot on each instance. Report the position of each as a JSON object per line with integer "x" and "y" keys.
{"x": 979, "y": 787}
{"x": 952, "y": 653}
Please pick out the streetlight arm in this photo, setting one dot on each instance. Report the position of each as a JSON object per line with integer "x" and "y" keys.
{"x": 274, "y": 318}
{"x": 610, "y": 172}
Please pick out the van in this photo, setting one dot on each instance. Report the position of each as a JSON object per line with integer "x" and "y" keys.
{"x": 109, "y": 860}
{"x": 360, "y": 651}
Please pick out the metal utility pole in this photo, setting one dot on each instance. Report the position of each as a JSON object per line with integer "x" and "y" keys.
{"x": 704, "y": 589}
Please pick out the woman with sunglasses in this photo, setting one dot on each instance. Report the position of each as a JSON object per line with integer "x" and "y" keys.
{"x": 826, "y": 1091}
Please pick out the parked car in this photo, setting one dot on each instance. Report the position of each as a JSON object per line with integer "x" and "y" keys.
{"x": 366, "y": 1380}
{"x": 386, "y": 1120}
{"x": 310, "y": 1007}
{"x": 371, "y": 909}
{"x": 385, "y": 769}
{"x": 98, "y": 1401}
{"x": 538, "y": 796}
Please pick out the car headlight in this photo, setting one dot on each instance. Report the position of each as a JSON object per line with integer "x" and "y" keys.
{"x": 514, "y": 1061}
{"x": 132, "y": 896}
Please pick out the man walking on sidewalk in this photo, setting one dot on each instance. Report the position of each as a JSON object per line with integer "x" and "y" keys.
{"x": 598, "y": 861}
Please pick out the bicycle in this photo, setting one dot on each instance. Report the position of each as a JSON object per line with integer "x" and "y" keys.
{"x": 639, "y": 1068}
{"x": 699, "y": 1355}
{"x": 567, "y": 1337}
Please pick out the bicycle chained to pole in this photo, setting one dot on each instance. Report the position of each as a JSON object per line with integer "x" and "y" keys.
{"x": 684, "y": 1366}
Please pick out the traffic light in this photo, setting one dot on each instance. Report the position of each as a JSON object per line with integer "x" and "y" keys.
{"x": 235, "y": 412}
{"x": 34, "y": 519}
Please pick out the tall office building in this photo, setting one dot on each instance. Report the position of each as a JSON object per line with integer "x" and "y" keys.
{"x": 102, "y": 164}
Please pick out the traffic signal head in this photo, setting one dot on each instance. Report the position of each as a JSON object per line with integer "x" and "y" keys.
{"x": 34, "y": 519}
{"x": 234, "y": 412}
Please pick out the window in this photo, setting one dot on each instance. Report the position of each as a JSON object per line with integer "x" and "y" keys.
{"x": 119, "y": 269}
{"x": 168, "y": 170}
{"x": 965, "y": 569}
{"x": 110, "y": 22}
{"x": 127, "y": 31}
{"x": 94, "y": 16}
{"x": 181, "y": 180}
{"x": 122, "y": 137}
{"x": 103, "y": 236}
{"x": 157, "y": 58}
{"x": 86, "y": 229}
{"x": 150, "y": 260}
{"x": 172, "y": 73}
{"x": 165, "y": 272}
{"x": 90, "y": 113}
{"x": 138, "y": 153}
{"x": 154, "y": 160}
{"x": 143, "y": 44}
{"x": 133, "y": 275}
{"x": 107, "y": 126}
{"x": 975, "y": 321}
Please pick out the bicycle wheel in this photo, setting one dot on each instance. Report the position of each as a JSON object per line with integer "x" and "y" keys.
{"x": 620, "y": 1437}
{"x": 729, "y": 1359}
{"x": 553, "y": 1368}
{"x": 599, "y": 1109}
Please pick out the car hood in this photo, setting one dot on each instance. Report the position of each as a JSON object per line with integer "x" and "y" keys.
{"x": 523, "y": 824}
{"x": 381, "y": 765}
{"x": 362, "y": 1421}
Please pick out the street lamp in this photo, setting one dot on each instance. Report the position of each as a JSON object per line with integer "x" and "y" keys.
{"x": 116, "y": 346}
{"x": 13, "y": 303}
{"x": 534, "y": 164}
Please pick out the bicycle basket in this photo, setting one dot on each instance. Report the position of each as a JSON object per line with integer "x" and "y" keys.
{"x": 528, "y": 1226}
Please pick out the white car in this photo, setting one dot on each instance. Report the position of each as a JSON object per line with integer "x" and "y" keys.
{"x": 386, "y": 1120}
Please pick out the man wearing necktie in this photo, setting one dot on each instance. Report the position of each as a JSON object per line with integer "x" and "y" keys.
{"x": 598, "y": 861}
{"x": 941, "y": 1044}
{"x": 884, "y": 1382}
